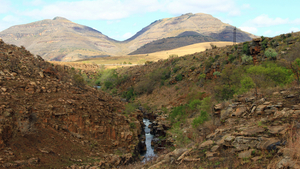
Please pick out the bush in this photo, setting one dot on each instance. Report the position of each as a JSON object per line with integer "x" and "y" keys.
{"x": 264, "y": 44}
{"x": 178, "y": 111}
{"x": 132, "y": 125}
{"x": 129, "y": 108}
{"x": 246, "y": 84}
{"x": 98, "y": 82}
{"x": 108, "y": 85}
{"x": 246, "y": 48}
{"x": 231, "y": 58}
{"x": 178, "y": 77}
{"x": 128, "y": 94}
{"x": 271, "y": 53}
{"x": 202, "y": 76}
{"x": 246, "y": 59}
{"x": 175, "y": 69}
{"x": 216, "y": 73}
{"x": 200, "y": 119}
{"x": 193, "y": 104}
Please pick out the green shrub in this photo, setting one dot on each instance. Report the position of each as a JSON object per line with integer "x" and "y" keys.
{"x": 108, "y": 85}
{"x": 246, "y": 59}
{"x": 246, "y": 48}
{"x": 181, "y": 139}
{"x": 246, "y": 84}
{"x": 231, "y": 58}
{"x": 205, "y": 104}
{"x": 202, "y": 76}
{"x": 193, "y": 68}
{"x": 193, "y": 104}
{"x": 271, "y": 53}
{"x": 166, "y": 74}
{"x": 224, "y": 92}
{"x": 178, "y": 111}
{"x": 204, "y": 116}
{"x": 98, "y": 82}
{"x": 132, "y": 125}
{"x": 175, "y": 69}
{"x": 129, "y": 94}
{"x": 216, "y": 73}
{"x": 114, "y": 91}
{"x": 129, "y": 108}
{"x": 264, "y": 44}
{"x": 178, "y": 77}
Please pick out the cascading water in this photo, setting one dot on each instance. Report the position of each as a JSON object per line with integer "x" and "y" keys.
{"x": 149, "y": 152}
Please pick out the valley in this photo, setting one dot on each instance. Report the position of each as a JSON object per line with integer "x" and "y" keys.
{"x": 234, "y": 106}
{"x": 178, "y": 94}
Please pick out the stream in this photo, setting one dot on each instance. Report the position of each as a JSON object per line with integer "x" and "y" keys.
{"x": 149, "y": 153}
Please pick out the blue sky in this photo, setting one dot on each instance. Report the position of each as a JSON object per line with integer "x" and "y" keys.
{"x": 121, "y": 19}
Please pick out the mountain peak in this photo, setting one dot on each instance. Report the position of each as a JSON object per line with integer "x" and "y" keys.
{"x": 61, "y": 19}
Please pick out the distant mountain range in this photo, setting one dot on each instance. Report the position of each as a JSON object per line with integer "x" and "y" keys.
{"x": 62, "y": 40}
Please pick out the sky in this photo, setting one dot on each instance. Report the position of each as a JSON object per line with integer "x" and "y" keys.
{"x": 121, "y": 19}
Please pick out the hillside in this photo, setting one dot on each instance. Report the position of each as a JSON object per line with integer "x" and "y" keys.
{"x": 187, "y": 25}
{"x": 184, "y": 39}
{"x": 62, "y": 40}
{"x": 51, "y": 119}
{"x": 227, "y": 107}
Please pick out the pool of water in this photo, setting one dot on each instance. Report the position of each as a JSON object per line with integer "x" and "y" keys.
{"x": 150, "y": 151}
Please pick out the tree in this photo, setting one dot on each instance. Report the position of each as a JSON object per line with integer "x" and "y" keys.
{"x": 246, "y": 59}
{"x": 271, "y": 53}
{"x": 294, "y": 61}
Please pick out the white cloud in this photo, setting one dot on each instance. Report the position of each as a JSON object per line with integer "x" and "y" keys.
{"x": 8, "y": 21}
{"x": 294, "y": 29}
{"x": 5, "y": 6}
{"x": 36, "y": 2}
{"x": 127, "y": 35}
{"x": 11, "y": 19}
{"x": 235, "y": 13}
{"x": 196, "y": 6}
{"x": 252, "y": 30}
{"x": 117, "y": 9}
{"x": 246, "y": 6}
{"x": 265, "y": 21}
{"x": 94, "y": 9}
{"x": 296, "y": 21}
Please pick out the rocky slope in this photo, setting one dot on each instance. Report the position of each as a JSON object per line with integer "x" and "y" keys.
{"x": 62, "y": 40}
{"x": 254, "y": 129}
{"x": 50, "y": 118}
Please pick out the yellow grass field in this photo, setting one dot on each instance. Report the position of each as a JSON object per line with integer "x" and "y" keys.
{"x": 119, "y": 61}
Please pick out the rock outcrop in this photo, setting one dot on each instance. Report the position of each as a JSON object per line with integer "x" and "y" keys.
{"x": 47, "y": 110}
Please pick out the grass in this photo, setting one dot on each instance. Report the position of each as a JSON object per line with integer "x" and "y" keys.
{"x": 142, "y": 58}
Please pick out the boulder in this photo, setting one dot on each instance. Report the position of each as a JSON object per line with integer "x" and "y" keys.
{"x": 245, "y": 154}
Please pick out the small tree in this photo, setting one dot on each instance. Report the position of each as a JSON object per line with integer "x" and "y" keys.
{"x": 246, "y": 59}
{"x": 216, "y": 73}
{"x": 271, "y": 53}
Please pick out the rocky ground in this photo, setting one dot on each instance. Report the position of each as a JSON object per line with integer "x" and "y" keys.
{"x": 50, "y": 118}
{"x": 254, "y": 132}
